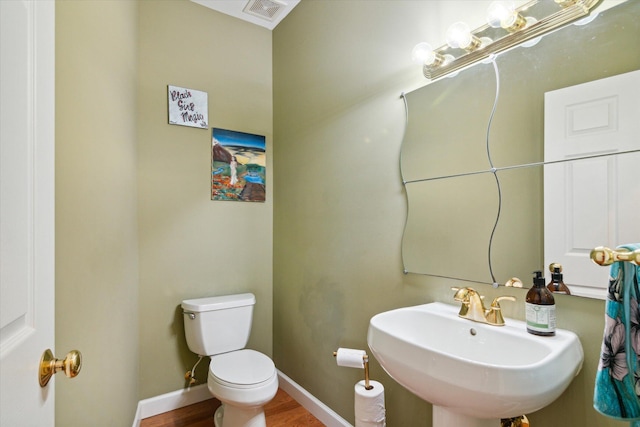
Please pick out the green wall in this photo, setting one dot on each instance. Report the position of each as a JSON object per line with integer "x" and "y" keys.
{"x": 136, "y": 231}
{"x": 339, "y": 70}
{"x": 96, "y": 220}
{"x": 190, "y": 246}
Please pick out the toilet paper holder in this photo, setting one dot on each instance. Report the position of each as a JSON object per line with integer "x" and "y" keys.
{"x": 365, "y": 361}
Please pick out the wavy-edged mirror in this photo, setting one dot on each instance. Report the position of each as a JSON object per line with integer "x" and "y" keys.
{"x": 456, "y": 207}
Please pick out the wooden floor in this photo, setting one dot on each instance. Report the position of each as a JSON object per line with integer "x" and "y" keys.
{"x": 282, "y": 411}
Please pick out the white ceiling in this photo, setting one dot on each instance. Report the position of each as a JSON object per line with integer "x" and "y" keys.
{"x": 265, "y": 13}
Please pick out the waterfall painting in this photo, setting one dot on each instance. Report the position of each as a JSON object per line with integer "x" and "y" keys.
{"x": 238, "y": 166}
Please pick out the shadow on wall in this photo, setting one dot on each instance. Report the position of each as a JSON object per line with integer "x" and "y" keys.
{"x": 187, "y": 357}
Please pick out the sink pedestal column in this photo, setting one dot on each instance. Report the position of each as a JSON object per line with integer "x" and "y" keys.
{"x": 442, "y": 417}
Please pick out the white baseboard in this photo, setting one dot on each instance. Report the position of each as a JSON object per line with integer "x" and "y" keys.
{"x": 322, "y": 412}
{"x": 180, "y": 398}
{"x": 170, "y": 401}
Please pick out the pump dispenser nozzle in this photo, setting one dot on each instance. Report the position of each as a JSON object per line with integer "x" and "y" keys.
{"x": 538, "y": 279}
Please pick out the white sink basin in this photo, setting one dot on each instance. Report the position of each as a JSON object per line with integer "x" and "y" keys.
{"x": 469, "y": 368}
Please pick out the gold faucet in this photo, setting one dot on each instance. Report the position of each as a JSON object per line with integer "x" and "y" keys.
{"x": 473, "y": 308}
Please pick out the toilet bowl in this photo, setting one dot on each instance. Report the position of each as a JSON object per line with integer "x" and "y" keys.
{"x": 243, "y": 380}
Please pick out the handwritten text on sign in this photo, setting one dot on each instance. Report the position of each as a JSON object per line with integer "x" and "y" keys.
{"x": 188, "y": 107}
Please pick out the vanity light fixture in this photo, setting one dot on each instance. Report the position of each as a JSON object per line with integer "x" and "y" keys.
{"x": 566, "y": 3}
{"x": 507, "y": 27}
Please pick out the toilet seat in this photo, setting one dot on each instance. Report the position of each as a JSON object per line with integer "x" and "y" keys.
{"x": 242, "y": 369}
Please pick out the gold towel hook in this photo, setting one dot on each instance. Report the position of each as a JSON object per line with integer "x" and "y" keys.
{"x": 605, "y": 256}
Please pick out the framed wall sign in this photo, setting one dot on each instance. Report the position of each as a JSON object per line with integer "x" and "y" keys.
{"x": 188, "y": 107}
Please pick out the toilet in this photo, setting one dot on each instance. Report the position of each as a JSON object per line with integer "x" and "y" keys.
{"x": 243, "y": 380}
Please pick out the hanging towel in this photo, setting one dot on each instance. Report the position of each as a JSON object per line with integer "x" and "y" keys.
{"x": 617, "y": 385}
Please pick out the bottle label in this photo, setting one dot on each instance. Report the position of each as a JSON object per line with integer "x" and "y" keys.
{"x": 541, "y": 318}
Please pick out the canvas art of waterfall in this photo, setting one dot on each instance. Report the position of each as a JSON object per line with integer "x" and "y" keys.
{"x": 238, "y": 166}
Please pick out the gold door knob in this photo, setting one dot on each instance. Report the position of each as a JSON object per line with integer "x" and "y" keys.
{"x": 555, "y": 265}
{"x": 49, "y": 365}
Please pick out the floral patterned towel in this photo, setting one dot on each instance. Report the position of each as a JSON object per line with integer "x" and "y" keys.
{"x": 617, "y": 388}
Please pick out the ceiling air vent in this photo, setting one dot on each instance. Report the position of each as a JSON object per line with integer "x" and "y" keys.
{"x": 265, "y": 9}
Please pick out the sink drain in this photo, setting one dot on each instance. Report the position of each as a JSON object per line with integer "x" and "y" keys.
{"x": 472, "y": 332}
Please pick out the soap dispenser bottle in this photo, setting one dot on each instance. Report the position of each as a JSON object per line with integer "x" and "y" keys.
{"x": 540, "y": 308}
{"x": 556, "y": 285}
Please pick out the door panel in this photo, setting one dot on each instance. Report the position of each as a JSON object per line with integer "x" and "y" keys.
{"x": 26, "y": 209}
{"x": 595, "y": 201}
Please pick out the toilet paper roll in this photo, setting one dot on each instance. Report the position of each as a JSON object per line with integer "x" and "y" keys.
{"x": 350, "y": 358}
{"x": 369, "y": 405}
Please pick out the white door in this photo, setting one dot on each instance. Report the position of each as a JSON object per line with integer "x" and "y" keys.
{"x": 592, "y": 202}
{"x": 26, "y": 209}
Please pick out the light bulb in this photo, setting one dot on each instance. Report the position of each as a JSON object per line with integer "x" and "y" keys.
{"x": 499, "y": 11}
{"x": 423, "y": 54}
{"x": 459, "y": 36}
{"x": 503, "y": 14}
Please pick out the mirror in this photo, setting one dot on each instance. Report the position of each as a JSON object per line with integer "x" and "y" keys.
{"x": 461, "y": 224}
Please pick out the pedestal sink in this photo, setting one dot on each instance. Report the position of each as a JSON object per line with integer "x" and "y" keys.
{"x": 474, "y": 374}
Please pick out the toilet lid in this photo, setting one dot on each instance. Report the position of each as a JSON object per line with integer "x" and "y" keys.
{"x": 242, "y": 367}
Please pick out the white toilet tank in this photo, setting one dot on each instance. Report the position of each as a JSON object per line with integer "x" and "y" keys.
{"x": 217, "y": 325}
